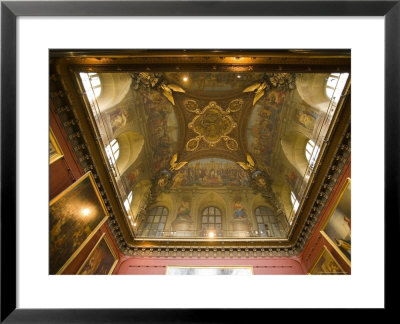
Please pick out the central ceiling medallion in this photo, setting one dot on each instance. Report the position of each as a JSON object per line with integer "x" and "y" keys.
{"x": 212, "y": 124}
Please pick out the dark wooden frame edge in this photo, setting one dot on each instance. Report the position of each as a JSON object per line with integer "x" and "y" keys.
{"x": 9, "y": 13}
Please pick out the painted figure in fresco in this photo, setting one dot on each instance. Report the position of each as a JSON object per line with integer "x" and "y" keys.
{"x": 178, "y": 179}
{"x": 183, "y": 212}
{"x": 275, "y": 98}
{"x": 292, "y": 179}
{"x": 306, "y": 119}
{"x": 118, "y": 119}
{"x": 238, "y": 211}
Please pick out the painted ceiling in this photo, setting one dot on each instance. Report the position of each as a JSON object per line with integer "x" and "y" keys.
{"x": 232, "y": 138}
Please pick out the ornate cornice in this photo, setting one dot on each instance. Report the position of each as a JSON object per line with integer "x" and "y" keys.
{"x": 129, "y": 246}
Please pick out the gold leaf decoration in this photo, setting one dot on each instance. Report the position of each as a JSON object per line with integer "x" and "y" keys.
{"x": 175, "y": 88}
{"x": 252, "y": 88}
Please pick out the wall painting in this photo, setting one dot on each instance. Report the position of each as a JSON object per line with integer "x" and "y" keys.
{"x": 75, "y": 215}
{"x": 101, "y": 260}
{"x": 337, "y": 229}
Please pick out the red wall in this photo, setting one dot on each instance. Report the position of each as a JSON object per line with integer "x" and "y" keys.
{"x": 157, "y": 266}
{"x": 316, "y": 242}
{"x": 64, "y": 172}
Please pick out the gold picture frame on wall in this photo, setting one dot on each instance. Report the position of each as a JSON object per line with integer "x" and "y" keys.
{"x": 75, "y": 215}
{"x": 55, "y": 152}
{"x": 326, "y": 264}
{"x": 102, "y": 260}
{"x": 337, "y": 227}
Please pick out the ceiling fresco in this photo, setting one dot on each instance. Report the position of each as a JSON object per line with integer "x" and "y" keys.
{"x": 188, "y": 141}
{"x": 211, "y": 173}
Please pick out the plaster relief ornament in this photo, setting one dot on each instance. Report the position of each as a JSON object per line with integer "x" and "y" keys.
{"x": 279, "y": 81}
{"x": 212, "y": 124}
{"x": 155, "y": 81}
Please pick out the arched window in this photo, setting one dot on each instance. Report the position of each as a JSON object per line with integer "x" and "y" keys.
{"x": 92, "y": 85}
{"x": 295, "y": 202}
{"x": 266, "y": 222}
{"x": 334, "y": 86}
{"x": 211, "y": 221}
{"x": 155, "y": 222}
{"x": 127, "y": 202}
{"x": 312, "y": 152}
{"x": 112, "y": 151}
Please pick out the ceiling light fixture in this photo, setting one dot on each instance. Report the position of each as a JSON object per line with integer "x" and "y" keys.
{"x": 211, "y": 234}
{"x": 185, "y": 78}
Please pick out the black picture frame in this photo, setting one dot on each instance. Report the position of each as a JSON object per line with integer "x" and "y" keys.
{"x": 10, "y": 10}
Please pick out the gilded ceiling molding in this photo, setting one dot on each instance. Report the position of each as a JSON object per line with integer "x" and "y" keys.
{"x": 64, "y": 110}
{"x": 212, "y": 124}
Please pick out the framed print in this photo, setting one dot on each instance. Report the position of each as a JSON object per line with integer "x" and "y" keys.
{"x": 75, "y": 215}
{"x": 326, "y": 264}
{"x": 209, "y": 271}
{"x": 101, "y": 260}
{"x": 18, "y": 303}
{"x": 55, "y": 151}
{"x": 337, "y": 228}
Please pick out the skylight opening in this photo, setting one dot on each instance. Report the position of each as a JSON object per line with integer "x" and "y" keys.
{"x": 112, "y": 151}
{"x": 91, "y": 83}
{"x": 312, "y": 152}
{"x": 127, "y": 202}
{"x": 295, "y": 202}
{"x": 334, "y": 86}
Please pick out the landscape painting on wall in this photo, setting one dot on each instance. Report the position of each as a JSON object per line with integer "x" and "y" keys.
{"x": 75, "y": 215}
{"x": 337, "y": 230}
{"x": 326, "y": 265}
{"x": 101, "y": 261}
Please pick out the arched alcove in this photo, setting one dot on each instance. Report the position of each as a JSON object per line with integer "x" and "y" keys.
{"x": 114, "y": 87}
{"x": 293, "y": 146}
{"x": 130, "y": 146}
{"x": 312, "y": 89}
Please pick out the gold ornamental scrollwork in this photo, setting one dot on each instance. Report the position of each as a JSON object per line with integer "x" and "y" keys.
{"x": 192, "y": 106}
{"x": 212, "y": 124}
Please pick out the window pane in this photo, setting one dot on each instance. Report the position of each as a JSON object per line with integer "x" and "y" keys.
{"x": 204, "y": 220}
{"x": 165, "y": 211}
{"x": 218, "y": 226}
{"x": 154, "y": 226}
{"x": 150, "y": 219}
{"x": 217, "y": 211}
{"x": 257, "y": 211}
{"x": 218, "y": 219}
{"x": 211, "y": 219}
{"x": 259, "y": 219}
{"x": 161, "y": 227}
{"x": 163, "y": 219}
{"x": 156, "y": 219}
{"x": 159, "y": 210}
{"x": 211, "y": 211}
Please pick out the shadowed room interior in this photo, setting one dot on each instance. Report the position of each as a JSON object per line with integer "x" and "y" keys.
{"x": 191, "y": 162}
